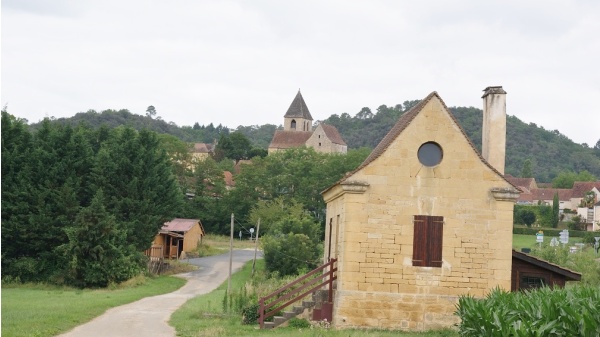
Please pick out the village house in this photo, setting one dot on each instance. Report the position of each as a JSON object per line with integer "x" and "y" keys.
{"x": 423, "y": 220}
{"x": 201, "y": 151}
{"x": 298, "y": 131}
{"x": 569, "y": 198}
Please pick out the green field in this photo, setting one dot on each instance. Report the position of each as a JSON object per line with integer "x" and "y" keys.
{"x": 529, "y": 241}
{"x": 41, "y": 310}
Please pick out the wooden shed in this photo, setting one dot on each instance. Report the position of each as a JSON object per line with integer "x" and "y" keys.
{"x": 530, "y": 272}
{"x": 179, "y": 235}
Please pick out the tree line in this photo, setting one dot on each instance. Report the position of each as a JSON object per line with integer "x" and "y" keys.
{"x": 544, "y": 154}
{"x": 81, "y": 204}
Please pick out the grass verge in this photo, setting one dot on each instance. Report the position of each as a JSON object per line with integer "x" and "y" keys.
{"x": 213, "y": 244}
{"x": 205, "y": 316}
{"x": 43, "y": 310}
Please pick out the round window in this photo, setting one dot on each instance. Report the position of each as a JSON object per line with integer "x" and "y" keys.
{"x": 430, "y": 154}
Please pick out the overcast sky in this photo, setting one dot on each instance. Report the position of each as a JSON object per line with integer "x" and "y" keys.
{"x": 242, "y": 62}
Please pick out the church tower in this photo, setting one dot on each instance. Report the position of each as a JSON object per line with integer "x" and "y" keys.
{"x": 297, "y": 118}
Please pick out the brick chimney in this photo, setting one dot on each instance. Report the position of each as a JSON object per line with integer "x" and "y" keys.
{"x": 493, "y": 147}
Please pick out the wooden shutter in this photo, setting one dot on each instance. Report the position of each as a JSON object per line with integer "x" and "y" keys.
{"x": 427, "y": 241}
{"x": 434, "y": 240}
{"x": 420, "y": 241}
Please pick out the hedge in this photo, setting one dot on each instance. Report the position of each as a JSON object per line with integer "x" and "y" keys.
{"x": 547, "y": 232}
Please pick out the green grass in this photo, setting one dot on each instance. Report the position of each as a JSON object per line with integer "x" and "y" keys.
{"x": 43, "y": 310}
{"x": 204, "y": 316}
{"x": 529, "y": 241}
{"x": 213, "y": 244}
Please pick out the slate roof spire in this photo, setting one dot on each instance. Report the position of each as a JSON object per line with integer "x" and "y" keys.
{"x": 298, "y": 108}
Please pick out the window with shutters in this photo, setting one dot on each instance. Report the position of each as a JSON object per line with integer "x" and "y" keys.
{"x": 427, "y": 242}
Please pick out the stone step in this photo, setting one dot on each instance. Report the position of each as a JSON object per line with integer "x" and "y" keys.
{"x": 289, "y": 314}
{"x": 308, "y": 304}
{"x": 298, "y": 310}
{"x": 278, "y": 320}
{"x": 269, "y": 325}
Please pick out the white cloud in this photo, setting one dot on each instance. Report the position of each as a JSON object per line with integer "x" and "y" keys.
{"x": 241, "y": 63}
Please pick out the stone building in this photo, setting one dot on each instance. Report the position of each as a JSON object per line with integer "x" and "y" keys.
{"x": 298, "y": 131}
{"x": 424, "y": 219}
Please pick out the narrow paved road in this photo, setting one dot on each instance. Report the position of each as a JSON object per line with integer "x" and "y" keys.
{"x": 149, "y": 316}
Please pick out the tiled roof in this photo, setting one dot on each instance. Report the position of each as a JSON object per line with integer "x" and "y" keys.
{"x": 525, "y": 196}
{"x": 228, "y": 179}
{"x": 289, "y": 139}
{"x": 333, "y": 134}
{"x": 298, "y": 108}
{"x": 180, "y": 225}
{"x": 564, "y": 194}
{"x": 528, "y": 183}
{"x": 203, "y": 148}
{"x": 401, "y": 124}
{"x": 580, "y": 188}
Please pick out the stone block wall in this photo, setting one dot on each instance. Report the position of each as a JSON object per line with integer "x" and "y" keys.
{"x": 377, "y": 284}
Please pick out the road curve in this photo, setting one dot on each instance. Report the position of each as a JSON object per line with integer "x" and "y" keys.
{"x": 149, "y": 316}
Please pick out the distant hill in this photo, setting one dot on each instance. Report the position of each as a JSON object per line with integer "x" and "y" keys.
{"x": 550, "y": 152}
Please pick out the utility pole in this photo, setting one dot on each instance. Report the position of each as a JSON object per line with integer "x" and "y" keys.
{"x": 255, "y": 245}
{"x": 230, "y": 256}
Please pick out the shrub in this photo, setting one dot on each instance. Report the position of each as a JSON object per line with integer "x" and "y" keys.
{"x": 298, "y": 323}
{"x": 250, "y": 314}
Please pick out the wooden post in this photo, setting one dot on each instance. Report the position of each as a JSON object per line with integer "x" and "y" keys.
{"x": 230, "y": 257}
{"x": 330, "y": 292}
{"x": 255, "y": 245}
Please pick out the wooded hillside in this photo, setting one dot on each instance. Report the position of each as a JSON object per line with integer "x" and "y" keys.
{"x": 549, "y": 152}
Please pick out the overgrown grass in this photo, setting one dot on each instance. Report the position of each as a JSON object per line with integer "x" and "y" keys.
{"x": 206, "y": 316}
{"x": 213, "y": 244}
{"x": 43, "y": 310}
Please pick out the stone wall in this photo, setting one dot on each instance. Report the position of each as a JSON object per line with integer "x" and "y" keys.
{"x": 377, "y": 284}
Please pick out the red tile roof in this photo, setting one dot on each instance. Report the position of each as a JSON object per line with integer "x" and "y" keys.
{"x": 528, "y": 183}
{"x": 229, "y": 179}
{"x": 580, "y": 188}
{"x": 289, "y": 139}
{"x": 180, "y": 225}
{"x": 564, "y": 194}
{"x": 333, "y": 134}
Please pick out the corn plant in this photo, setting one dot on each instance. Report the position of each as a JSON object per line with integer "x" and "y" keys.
{"x": 573, "y": 311}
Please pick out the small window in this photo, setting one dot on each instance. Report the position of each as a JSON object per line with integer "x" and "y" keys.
{"x": 528, "y": 282}
{"x": 427, "y": 241}
{"x": 293, "y": 125}
{"x": 319, "y": 144}
{"x": 430, "y": 154}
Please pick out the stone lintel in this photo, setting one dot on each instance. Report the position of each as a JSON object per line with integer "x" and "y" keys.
{"x": 352, "y": 187}
{"x": 505, "y": 193}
